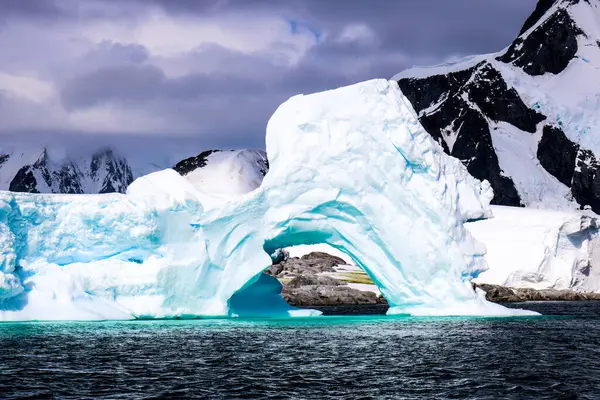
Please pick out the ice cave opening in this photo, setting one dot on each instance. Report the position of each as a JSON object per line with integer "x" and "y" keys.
{"x": 305, "y": 257}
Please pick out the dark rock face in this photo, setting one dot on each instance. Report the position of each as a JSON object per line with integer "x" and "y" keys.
{"x": 64, "y": 180}
{"x": 4, "y": 158}
{"x": 586, "y": 180}
{"x": 257, "y": 159}
{"x": 456, "y": 108}
{"x": 326, "y": 261}
{"x": 542, "y": 7}
{"x": 190, "y": 164}
{"x": 312, "y": 263}
{"x": 312, "y": 280}
{"x": 572, "y": 165}
{"x": 112, "y": 174}
{"x": 557, "y": 154}
{"x": 549, "y": 48}
{"x": 24, "y": 181}
{"x": 328, "y": 295}
{"x": 118, "y": 173}
{"x": 264, "y": 167}
{"x": 307, "y": 288}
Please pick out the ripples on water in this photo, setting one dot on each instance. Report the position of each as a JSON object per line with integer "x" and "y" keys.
{"x": 376, "y": 357}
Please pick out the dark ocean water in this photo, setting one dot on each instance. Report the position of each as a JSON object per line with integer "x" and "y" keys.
{"x": 369, "y": 357}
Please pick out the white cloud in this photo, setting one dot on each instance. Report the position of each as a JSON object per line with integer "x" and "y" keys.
{"x": 27, "y": 87}
{"x": 357, "y": 33}
{"x": 167, "y": 37}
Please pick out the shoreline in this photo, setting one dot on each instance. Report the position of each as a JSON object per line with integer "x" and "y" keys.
{"x": 504, "y": 294}
{"x": 315, "y": 296}
{"x": 318, "y": 279}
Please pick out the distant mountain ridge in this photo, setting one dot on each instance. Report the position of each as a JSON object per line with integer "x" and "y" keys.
{"x": 526, "y": 118}
{"x": 106, "y": 171}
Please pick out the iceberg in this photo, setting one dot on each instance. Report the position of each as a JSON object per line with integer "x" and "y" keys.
{"x": 351, "y": 168}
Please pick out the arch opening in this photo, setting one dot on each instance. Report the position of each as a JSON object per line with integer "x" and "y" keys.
{"x": 351, "y": 234}
{"x": 306, "y": 274}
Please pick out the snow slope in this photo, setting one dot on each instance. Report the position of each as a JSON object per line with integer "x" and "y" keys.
{"x": 540, "y": 249}
{"x": 525, "y": 118}
{"x": 166, "y": 249}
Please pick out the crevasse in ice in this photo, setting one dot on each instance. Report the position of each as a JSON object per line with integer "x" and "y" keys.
{"x": 351, "y": 168}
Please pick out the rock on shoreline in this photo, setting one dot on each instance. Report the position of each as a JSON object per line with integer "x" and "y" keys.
{"x": 313, "y": 280}
{"x": 315, "y": 290}
{"x": 502, "y": 294}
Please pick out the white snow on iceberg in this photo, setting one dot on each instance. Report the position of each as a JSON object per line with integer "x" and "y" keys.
{"x": 351, "y": 168}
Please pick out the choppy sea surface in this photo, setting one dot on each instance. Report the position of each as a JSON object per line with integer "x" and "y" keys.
{"x": 556, "y": 356}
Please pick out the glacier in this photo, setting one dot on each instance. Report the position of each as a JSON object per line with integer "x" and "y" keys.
{"x": 540, "y": 249}
{"x": 351, "y": 168}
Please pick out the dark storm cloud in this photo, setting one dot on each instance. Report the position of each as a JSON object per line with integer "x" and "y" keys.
{"x": 139, "y": 84}
{"x": 108, "y": 52}
{"x": 29, "y": 9}
{"x": 233, "y": 101}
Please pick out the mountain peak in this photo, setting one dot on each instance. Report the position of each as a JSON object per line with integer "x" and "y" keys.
{"x": 550, "y": 38}
{"x": 55, "y": 172}
{"x": 543, "y": 7}
{"x": 526, "y": 118}
{"x": 224, "y": 172}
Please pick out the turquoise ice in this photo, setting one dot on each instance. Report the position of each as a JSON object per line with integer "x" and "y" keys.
{"x": 352, "y": 168}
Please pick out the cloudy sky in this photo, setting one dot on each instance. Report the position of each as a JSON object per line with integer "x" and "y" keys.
{"x": 216, "y": 69}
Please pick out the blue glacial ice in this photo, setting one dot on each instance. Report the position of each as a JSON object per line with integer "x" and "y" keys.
{"x": 351, "y": 168}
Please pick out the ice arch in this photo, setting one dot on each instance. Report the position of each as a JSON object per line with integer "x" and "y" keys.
{"x": 351, "y": 168}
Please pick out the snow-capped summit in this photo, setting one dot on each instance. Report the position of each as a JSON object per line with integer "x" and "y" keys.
{"x": 525, "y": 118}
{"x": 233, "y": 172}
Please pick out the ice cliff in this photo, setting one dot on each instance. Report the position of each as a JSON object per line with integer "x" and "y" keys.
{"x": 351, "y": 168}
{"x": 540, "y": 249}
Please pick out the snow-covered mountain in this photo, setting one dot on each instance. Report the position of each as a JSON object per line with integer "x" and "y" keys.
{"x": 525, "y": 118}
{"x": 55, "y": 170}
{"x": 103, "y": 172}
{"x": 233, "y": 172}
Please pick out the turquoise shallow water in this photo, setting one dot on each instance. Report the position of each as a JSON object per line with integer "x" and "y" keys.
{"x": 554, "y": 356}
